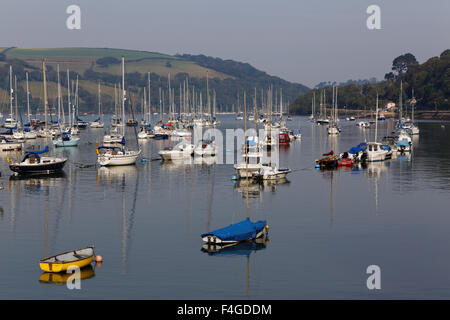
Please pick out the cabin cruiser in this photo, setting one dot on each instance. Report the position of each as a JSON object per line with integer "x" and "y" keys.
{"x": 9, "y": 145}
{"x": 113, "y": 138}
{"x": 297, "y": 134}
{"x": 377, "y": 152}
{"x": 333, "y": 129}
{"x": 269, "y": 172}
{"x": 180, "y": 151}
{"x": 404, "y": 141}
{"x": 146, "y": 132}
{"x": 97, "y": 124}
{"x": 252, "y": 159}
{"x": 11, "y": 123}
{"x": 206, "y": 148}
{"x": 363, "y": 124}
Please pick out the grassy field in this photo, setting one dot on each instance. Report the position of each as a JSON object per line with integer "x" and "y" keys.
{"x": 81, "y": 59}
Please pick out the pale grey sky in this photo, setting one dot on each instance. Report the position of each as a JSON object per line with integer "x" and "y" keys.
{"x": 305, "y": 41}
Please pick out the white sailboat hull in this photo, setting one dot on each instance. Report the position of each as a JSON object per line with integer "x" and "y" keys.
{"x": 120, "y": 159}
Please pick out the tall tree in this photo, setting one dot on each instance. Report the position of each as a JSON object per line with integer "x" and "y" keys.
{"x": 403, "y": 62}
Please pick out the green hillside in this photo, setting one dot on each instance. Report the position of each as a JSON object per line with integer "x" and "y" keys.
{"x": 227, "y": 77}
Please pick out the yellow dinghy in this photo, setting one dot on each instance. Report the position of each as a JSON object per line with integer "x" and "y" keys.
{"x": 61, "y": 262}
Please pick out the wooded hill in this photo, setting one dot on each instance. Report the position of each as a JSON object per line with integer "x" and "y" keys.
{"x": 430, "y": 81}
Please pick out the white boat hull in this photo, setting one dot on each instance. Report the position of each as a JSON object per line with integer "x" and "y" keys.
{"x": 128, "y": 158}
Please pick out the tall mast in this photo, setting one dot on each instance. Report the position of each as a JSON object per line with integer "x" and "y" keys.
{"x": 59, "y": 96}
{"x": 11, "y": 92}
{"x": 99, "y": 100}
{"x": 149, "y": 100}
{"x": 281, "y": 103}
{"x": 17, "y": 109}
{"x": 170, "y": 98}
{"x": 45, "y": 95}
{"x": 246, "y": 152}
{"x": 28, "y": 99}
{"x": 401, "y": 102}
{"x": 68, "y": 97}
{"x": 123, "y": 95}
{"x": 376, "y": 121}
{"x": 207, "y": 93}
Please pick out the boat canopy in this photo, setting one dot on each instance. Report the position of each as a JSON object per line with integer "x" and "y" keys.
{"x": 355, "y": 150}
{"x": 240, "y": 231}
{"x": 385, "y": 147}
{"x": 403, "y": 143}
{"x": 38, "y": 152}
{"x": 296, "y": 131}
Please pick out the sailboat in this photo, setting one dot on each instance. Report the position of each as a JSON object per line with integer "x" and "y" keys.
{"x": 98, "y": 123}
{"x": 375, "y": 150}
{"x": 11, "y": 122}
{"x": 118, "y": 155}
{"x": 404, "y": 141}
{"x": 33, "y": 162}
{"x": 332, "y": 127}
{"x": 245, "y": 230}
{"x": 28, "y": 131}
{"x": 64, "y": 138}
{"x": 411, "y": 126}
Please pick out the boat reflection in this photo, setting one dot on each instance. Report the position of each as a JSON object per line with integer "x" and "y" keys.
{"x": 62, "y": 277}
{"x": 205, "y": 160}
{"x": 176, "y": 164}
{"x": 238, "y": 249}
{"x": 117, "y": 174}
{"x": 34, "y": 183}
{"x": 255, "y": 188}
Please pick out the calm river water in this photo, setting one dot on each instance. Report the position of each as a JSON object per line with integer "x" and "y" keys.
{"x": 326, "y": 228}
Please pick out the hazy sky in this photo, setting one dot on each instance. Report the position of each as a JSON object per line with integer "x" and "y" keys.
{"x": 298, "y": 40}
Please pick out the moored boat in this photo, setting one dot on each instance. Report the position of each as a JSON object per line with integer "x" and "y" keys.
{"x": 61, "y": 262}
{"x": 33, "y": 163}
{"x": 242, "y": 231}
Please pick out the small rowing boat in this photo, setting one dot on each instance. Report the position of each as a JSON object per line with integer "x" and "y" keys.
{"x": 79, "y": 258}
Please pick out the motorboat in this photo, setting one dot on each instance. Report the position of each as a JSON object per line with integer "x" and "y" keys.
{"x": 145, "y": 133}
{"x": 97, "y": 124}
{"x": 404, "y": 141}
{"x": 376, "y": 152}
{"x": 297, "y": 134}
{"x": 206, "y": 148}
{"x": 269, "y": 172}
{"x": 180, "y": 151}
{"x": 9, "y": 145}
{"x": 363, "y": 124}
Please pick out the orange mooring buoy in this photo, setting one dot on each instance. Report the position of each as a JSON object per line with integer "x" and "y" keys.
{"x": 98, "y": 258}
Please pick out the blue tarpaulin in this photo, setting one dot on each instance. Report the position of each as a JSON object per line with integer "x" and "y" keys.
{"x": 38, "y": 152}
{"x": 355, "y": 150}
{"x": 240, "y": 231}
{"x": 403, "y": 143}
